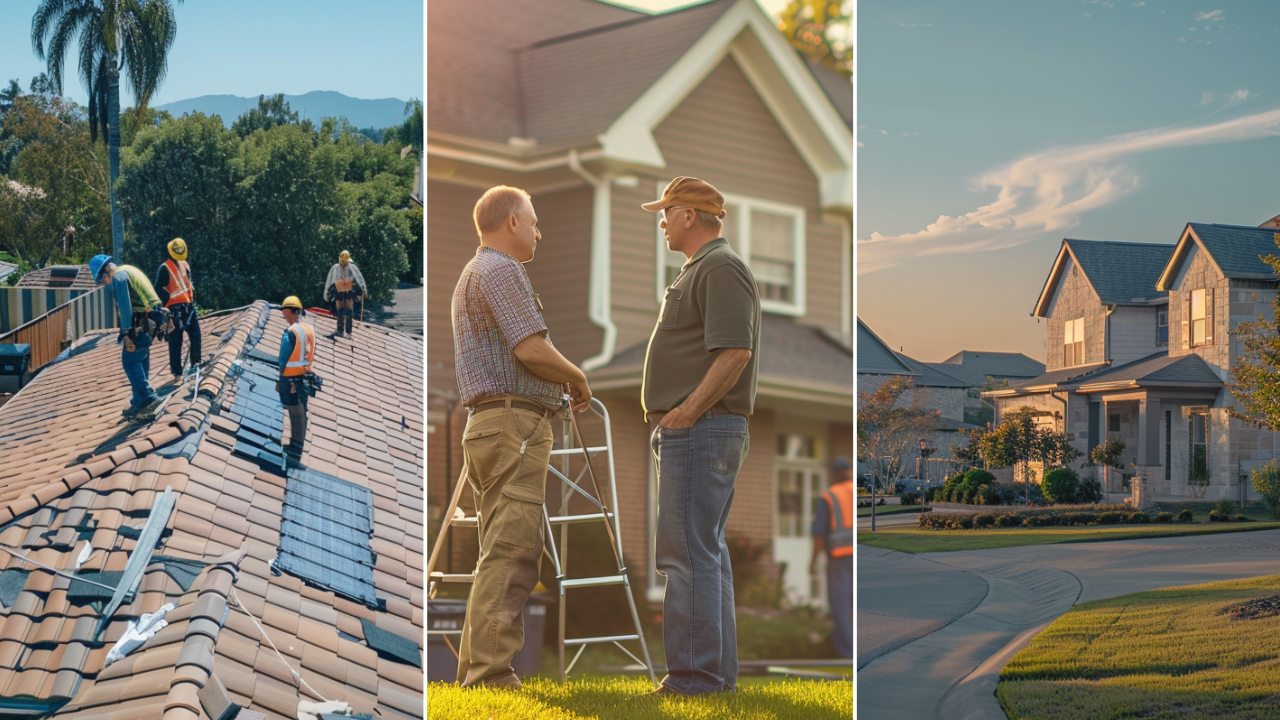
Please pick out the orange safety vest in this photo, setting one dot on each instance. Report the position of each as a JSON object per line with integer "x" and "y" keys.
{"x": 839, "y": 499}
{"x": 304, "y": 348}
{"x": 179, "y": 287}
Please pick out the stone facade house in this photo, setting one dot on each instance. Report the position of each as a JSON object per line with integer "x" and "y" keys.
{"x": 593, "y": 108}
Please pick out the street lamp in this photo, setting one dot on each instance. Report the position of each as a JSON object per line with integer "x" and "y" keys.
{"x": 924, "y": 453}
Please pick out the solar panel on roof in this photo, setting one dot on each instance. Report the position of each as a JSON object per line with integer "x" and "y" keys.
{"x": 325, "y": 534}
{"x": 391, "y": 644}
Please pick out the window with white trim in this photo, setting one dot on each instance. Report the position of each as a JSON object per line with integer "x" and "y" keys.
{"x": 770, "y": 236}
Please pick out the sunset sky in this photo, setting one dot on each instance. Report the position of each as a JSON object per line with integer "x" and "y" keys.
{"x": 988, "y": 132}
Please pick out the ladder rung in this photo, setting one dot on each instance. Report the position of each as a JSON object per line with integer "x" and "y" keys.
{"x": 570, "y": 519}
{"x": 452, "y": 577}
{"x": 445, "y": 632}
{"x": 591, "y": 582}
{"x": 578, "y": 450}
{"x": 466, "y": 522}
{"x": 608, "y": 638}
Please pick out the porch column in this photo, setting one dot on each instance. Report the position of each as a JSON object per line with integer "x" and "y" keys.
{"x": 1149, "y": 431}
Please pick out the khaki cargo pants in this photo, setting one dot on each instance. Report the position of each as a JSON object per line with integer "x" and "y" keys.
{"x": 509, "y": 489}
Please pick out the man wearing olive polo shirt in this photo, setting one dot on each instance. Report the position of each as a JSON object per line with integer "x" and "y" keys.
{"x": 699, "y": 389}
{"x": 512, "y": 379}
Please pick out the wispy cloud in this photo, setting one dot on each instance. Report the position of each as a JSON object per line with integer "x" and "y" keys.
{"x": 1234, "y": 98}
{"x": 1047, "y": 192}
{"x": 1212, "y": 16}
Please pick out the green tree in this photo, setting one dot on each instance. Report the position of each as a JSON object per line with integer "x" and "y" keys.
{"x": 1266, "y": 480}
{"x": 891, "y": 422}
{"x": 1018, "y": 441}
{"x": 271, "y": 112}
{"x": 819, "y": 29}
{"x": 1257, "y": 373}
{"x": 135, "y": 119}
{"x": 129, "y": 37}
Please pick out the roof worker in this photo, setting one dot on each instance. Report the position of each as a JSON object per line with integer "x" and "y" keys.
{"x": 174, "y": 288}
{"x": 833, "y": 518}
{"x": 140, "y": 320}
{"x": 297, "y": 349}
{"x": 344, "y": 286}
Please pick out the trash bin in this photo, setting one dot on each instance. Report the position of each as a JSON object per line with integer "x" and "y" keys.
{"x": 15, "y": 358}
{"x": 449, "y": 614}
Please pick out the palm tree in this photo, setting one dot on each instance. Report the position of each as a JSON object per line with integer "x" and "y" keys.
{"x": 132, "y": 37}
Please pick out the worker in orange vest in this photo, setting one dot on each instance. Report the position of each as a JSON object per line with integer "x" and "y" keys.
{"x": 297, "y": 350}
{"x": 174, "y": 288}
{"x": 344, "y": 286}
{"x": 833, "y": 523}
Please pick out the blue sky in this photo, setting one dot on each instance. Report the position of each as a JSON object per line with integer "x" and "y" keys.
{"x": 990, "y": 131}
{"x": 249, "y": 47}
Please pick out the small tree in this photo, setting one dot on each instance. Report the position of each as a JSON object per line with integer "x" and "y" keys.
{"x": 1266, "y": 480}
{"x": 1019, "y": 442}
{"x": 1107, "y": 454}
{"x": 890, "y": 426}
{"x": 1257, "y": 372}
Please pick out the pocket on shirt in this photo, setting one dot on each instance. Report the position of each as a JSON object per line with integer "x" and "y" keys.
{"x": 670, "y": 311}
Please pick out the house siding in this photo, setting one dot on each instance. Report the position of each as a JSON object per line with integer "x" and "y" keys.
{"x": 1133, "y": 333}
{"x": 634, "y": 248}
{"x": 1074, "y": 299}
{"x": 951, "y": 401}
{"x": 724, "y": 134}
{"x": 451, "y": 243}
{"x": 561, "y": 271}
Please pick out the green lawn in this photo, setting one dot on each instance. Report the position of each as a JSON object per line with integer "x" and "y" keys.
{"x": 614, "y": 698}
{"x": 888, "y": 510}
{"x": 916, "y": 540}
{"x": 1168, "y": 653}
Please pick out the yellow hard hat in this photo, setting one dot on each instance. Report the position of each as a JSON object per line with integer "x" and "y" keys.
{"x": 292, "y": 302}
{"x": 344, "y": 257}
{"x": 178, "y": 249}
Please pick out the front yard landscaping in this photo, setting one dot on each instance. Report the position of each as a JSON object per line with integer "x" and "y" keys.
{"x": 1196, "y": 653}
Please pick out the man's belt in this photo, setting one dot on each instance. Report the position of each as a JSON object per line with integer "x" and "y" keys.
{"x": 717, "y": 410}
{"x": 516, "y": 403}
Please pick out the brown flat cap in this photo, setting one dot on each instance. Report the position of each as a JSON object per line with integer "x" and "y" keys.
{"x": 689, "y": 192}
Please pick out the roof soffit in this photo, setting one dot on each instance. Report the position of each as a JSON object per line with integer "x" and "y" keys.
{"x": 787, "y": 88}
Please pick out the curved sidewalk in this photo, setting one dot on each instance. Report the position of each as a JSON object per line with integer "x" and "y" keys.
{"x": 951, "y": 673}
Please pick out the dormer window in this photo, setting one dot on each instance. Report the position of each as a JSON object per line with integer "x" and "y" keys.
{"x": 1073, "y": 343}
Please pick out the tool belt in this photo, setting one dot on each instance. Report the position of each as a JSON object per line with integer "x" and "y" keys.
{"x": 310, "y": 384}
{"x": 148, "y": 322}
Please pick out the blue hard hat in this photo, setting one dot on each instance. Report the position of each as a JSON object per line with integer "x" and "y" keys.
{"x": 96, "y": 265}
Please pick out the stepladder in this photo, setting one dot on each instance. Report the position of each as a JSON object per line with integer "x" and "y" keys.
{"x": 576, "y": 472}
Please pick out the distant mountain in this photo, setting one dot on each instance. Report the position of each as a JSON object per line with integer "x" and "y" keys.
{"x": 312, "y": 106}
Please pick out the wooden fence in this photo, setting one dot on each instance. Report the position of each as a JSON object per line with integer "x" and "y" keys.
{"x": 55, "y": 331}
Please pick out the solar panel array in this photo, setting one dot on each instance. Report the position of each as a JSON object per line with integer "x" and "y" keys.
{"x": 261, "y": 416}
{"x": 325, "y": 534}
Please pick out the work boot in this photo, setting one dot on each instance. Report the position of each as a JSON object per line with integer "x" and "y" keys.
{"x": 506, "y": 682}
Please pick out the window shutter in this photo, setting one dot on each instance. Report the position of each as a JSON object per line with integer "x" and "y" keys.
{"x": 1186, "y": 323}
{"x": 1208, "y": 316}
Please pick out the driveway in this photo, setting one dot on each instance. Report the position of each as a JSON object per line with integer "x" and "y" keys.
{"x": 932, "y": 639}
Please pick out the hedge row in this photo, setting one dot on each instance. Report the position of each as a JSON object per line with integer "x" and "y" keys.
{"x": 1097, "y": 515}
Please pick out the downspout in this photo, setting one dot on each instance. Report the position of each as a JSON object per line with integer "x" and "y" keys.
{"x": 599, "y": 292}
{"x": 1106, "y": 331}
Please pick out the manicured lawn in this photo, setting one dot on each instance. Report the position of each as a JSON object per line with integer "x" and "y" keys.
{"x": 888, "y": 510}
{"x": 1168, "y": 653}
{"x": 615, "y": 698}
{"x": 916, "y": 540}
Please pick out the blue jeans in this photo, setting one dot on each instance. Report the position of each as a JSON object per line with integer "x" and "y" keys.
{"x": 697, "y": 467}
{"x": 840, "y": 599}
{"x": 137, "y": 368}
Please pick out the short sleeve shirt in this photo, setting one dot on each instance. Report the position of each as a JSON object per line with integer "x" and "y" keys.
{"x": 494, "y": 308}
{"x": 712, "y": 305}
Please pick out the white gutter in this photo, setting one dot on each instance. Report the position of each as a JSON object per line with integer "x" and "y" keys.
{"x": 599, "y": 293}
{"x": 499, "y": 163}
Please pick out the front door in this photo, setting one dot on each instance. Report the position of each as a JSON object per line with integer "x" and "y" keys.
{"x": 798, "y": 485}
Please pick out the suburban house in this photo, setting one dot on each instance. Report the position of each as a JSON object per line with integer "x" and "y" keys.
{"x": 975, "y": 367}
{"x": 592, "y": 108}
{"x": 1141, "y": 350}
{"x": 272, "y": 587}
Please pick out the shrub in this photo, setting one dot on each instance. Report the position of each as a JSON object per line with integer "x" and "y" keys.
{"x": 1060, "y": 485}
{"x": 931, "y": 494}
{"x": 978, "y": 476}
{"x": 1225, "y": 507}
{"x": 1111, "y": 518}
{"x": 1164, "y": 517}
{"x": 1137, "y": 518}
{"x": 984, "y": 520}
{"x": 1266, "y": 480}
{"x": 1242, "y": 518}
{"x": 1185, "y": 516}
{"x": 966, "y": 522}
{"x": 910, "y": 498}
{"x": 1009, "y": 520}
{"x": 1215, "y": 515}
{"x": 1089, "y": 491}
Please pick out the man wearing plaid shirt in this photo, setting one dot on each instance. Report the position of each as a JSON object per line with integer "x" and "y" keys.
{"x": 512, "y": 379}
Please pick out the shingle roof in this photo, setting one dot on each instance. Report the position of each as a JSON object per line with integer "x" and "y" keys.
{"x": 839, "y": 89}
{"x": 49, "y": 277}
{"x": 975, "y": 366}
{"x": 1153, "y": 371}
{"x": 74, "y": 472}
{"x": 1236, "y": 249}
{"x": 1051, "y": 380}
{"x": 787, "y": 350}
{"x": 877, "y": 358}
{"x": 1121, "y": 272}
{"x": 931, "y": 376}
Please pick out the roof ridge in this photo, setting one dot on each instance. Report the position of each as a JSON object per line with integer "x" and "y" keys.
{"x": 1119, "y": 242}
{"x": 194, "y": 666}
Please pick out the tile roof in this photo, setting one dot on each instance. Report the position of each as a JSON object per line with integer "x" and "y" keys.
{"x": 59, "y": 277}
{"x": 74, "y": 473}
{"x": 981, "y": 364}
{"x": 877, "y": 358}
{"x": 1121, "y": 272}
{"x": 1236, "y": 248}
{"x": 1155, "y": 370}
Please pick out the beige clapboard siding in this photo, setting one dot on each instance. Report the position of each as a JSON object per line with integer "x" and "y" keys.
{"x": 1133, "y": 333}
{"x": 634, "y": 247}
{"x": 724, "y": 134}
{"x": 561, "y": 269}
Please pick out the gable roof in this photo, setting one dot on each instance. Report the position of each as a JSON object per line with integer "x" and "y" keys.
{"x": 1236, "y": 250}
{"x": 1156, "y": 370}
{"x": 1120, "y": 273}
{"x": 75, "y": 476}
{"x": 877, "y": 358}
{"x": 975, "y": 366}
{"x": 1052, "y": 380}
{"x": 565, "y": 75}
{"x": 929, "y": 375}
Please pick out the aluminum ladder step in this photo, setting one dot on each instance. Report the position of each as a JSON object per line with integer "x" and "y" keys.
{"x": 593, "y": 581}
{"x": 471, "y": 522}
{"x": 452, "y": 577}
{"x": 603, "y": 639}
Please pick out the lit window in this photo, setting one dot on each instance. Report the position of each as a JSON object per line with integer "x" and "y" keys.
{"x": 1073, "y": 342}
{"x": 1199, "y": 320}
{"x": 770, "y": 236}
